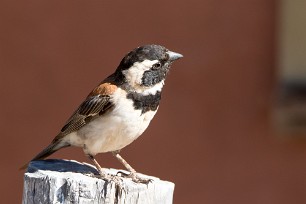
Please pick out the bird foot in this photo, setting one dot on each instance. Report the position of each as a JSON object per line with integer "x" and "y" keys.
{"x": 112, "y": 178}
{"x": 135, "y": 178}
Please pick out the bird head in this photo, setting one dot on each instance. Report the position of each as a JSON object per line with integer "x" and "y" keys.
{"x": 146, "y": 67}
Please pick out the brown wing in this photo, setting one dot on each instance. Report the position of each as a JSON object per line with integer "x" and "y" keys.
{"x": 96, "y": 104}
{"x": 93, "y": 106}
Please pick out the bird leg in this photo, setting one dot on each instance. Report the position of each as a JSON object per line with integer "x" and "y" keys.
{"x": 133, "y": 174}
{"x": 101, "y": 172}
{"x": 122, "y": 161}
{"x": 104, "y": 175}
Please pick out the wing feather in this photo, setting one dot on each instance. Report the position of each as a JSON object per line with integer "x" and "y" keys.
{"x": 95, "y": 105}
{"x": 87, "y": 111}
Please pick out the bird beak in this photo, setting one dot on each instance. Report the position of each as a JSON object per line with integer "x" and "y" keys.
{"x": 174, "y": 56}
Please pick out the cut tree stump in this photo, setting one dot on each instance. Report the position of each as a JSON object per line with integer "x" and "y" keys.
{"x": 64, "y": 181}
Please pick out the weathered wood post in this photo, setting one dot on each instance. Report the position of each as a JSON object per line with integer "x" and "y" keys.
{"x": 63, "y": 181}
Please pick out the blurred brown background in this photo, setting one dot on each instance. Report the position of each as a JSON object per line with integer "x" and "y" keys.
{"x": 212, "y": 136}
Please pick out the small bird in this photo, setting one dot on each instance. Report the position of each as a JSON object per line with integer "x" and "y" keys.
{"x": 119, "y": 109}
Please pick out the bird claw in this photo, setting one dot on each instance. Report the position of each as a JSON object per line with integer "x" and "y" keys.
{"x": 136, "y": 178}
{"x": 117, "y": 179}
{"x": 112, "y": 178}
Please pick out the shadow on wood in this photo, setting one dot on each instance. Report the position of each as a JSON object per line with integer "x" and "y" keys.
{"x": 64, "y": 181}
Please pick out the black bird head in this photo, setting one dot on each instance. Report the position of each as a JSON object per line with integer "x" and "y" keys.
{"x": 146, "y": 66}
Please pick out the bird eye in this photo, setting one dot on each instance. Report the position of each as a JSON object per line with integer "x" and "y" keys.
{"x": 156, "y": 66}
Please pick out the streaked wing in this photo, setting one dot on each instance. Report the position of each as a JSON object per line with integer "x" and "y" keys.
{"x": 91, "y": 108}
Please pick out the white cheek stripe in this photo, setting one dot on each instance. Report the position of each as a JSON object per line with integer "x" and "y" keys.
{"x": 134, "y": 77}
{"x": 134, "y": 74}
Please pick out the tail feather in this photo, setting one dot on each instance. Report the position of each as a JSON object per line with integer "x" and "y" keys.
{"x": 50, "y": 149}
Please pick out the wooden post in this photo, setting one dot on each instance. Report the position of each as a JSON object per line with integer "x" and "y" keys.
{"x": 64, "y": 181}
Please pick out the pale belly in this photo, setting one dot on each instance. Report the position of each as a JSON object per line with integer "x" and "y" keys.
{"x": 113, "y": 130}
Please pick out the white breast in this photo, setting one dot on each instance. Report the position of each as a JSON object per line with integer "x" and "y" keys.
{"x": 113, "y": 130}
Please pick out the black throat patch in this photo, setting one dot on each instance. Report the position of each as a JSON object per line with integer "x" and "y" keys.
{"x": 145, "y": 103}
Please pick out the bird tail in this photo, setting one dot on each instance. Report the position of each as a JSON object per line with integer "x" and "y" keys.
{"x": 50, "y": 149}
